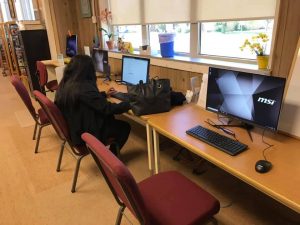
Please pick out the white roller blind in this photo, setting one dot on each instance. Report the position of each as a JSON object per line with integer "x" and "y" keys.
{"x": 167, "y": 11}
{"x": 234, "y": 9}
{"x": 126, "y": 12}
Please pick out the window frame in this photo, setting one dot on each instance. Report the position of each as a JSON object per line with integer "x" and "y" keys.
{"x": 114, "y": 26}
{"x": 175, "y": 52}
{"x": 227, "y": 58}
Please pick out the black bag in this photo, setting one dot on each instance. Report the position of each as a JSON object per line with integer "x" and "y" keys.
{"x": 150, "y": 98}
{"x": 177, "y": 98}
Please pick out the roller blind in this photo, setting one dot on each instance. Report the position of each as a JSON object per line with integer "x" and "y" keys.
{"x": 126, "y": 12}
{"x": 167, "y": 11}
{"x": 173, "y": 11}
{"x": 234, "y": 9}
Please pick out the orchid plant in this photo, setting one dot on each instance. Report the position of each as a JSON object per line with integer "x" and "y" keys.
{"x": 106, "y": 17}
{"x": 257, "y": 44}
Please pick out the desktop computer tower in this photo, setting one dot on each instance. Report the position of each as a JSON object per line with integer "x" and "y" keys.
{"x": 36, "y": 48}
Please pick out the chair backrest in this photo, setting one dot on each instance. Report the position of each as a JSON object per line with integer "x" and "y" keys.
{"x": 54, "y": 115}
{"x": 42, "y": 73}
{"x": 118, "y": 178}
{"x": 23, "y": 93}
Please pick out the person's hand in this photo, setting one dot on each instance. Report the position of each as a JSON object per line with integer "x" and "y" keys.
{"x": 110, "y": 91}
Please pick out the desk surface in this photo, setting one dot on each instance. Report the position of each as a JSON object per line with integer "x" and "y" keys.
{"x": 55, "y": 62}
{"x": 281, "y": 183}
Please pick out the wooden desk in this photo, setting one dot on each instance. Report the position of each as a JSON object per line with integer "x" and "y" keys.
{"x": 55, "y": 62}
{"x": 282, "y": 182}
{"x": 104, "y": 86}
{"x": 51, "y": 62}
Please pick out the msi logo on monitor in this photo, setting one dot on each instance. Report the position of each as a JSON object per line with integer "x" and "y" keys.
{"x": 266, "y": 101}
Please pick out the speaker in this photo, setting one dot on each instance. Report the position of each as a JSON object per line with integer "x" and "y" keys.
{"x": 203, "y": 91}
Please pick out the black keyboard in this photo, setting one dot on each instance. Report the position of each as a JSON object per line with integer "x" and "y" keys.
{"x": 124, "y": 97}
{"x": 226, "y": 144}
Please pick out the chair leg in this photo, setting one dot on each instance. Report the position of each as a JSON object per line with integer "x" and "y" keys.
{"x": 60, "y": 155}
{"x": 176, "y": 157}
{"x": 120, "y": 214}
{"x": 34, "y": 132}
{"x": 38, "y": 139}
{"x": 76, "y": 173}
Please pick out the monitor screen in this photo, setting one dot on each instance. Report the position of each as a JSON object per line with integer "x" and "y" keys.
{"x": 135, "y": 69}
{"x": 100, "y": 59}
{"x": 249, "y": 97}
{"x": 71, "y": 45}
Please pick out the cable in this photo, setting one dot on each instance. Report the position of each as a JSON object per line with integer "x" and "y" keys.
{"x": 220, "y": 126}
{"x": 221, "y": 117}
{"x": 266, "y": 143}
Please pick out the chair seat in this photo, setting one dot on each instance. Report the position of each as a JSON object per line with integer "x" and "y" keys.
{"x": 52, "y": 85}
{"x": 172, "y": 199}
{"x": 43, "y": 117}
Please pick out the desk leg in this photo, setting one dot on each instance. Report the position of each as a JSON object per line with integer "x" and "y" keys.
{"x": 149, "y": 146}
{"x": 156, "y": 151}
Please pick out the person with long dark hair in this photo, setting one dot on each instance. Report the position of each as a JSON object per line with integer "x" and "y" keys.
{"x": 86, "y": 109}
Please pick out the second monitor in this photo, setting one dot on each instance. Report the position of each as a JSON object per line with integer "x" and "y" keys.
{"x": 135, "y": 69}
{"x": 71, "y": 45}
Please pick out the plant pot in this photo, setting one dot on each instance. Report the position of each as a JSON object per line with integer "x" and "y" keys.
{"x": 262, "y": 61}
{"x": 110, "y": 44}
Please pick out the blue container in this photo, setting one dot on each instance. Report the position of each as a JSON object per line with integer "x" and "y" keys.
{"x": 167, "y": 49}
{"x": 166, "y": 41}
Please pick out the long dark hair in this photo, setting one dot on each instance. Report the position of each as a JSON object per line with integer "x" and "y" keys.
{"x": 79, "y": 71}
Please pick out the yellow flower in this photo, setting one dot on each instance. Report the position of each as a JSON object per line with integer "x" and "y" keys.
{"x": 257, "y": 45}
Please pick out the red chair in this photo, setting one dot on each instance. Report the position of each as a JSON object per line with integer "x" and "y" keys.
{"x": 39, "y": 117}
{"x": 58, "y": 122}
{"x": 167, "y": 198}
{"x": 43, "y": 78}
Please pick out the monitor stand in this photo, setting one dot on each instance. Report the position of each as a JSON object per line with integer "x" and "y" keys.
{"x": 246, "y": 126}
{"x": 107, "y": 73}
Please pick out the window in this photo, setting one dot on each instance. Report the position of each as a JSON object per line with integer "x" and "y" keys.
{"x": 181, "y": 40}
{"x": 5, "y": 10}
{"x": 24, "y": 10}
{"x": 225, "y": 38}
{"x": 130, "y": 33}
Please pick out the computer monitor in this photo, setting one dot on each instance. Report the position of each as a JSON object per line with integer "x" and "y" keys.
{"x": 100, "y": 59}
{"x": 135, "y": 69}
{"x": 71, "y": 45}
{"x": 251, "y": 98}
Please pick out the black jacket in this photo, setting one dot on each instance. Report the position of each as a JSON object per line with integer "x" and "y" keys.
{"x": 92, "y": 113}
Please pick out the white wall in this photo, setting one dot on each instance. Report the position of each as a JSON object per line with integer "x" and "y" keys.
{"x": 290, "y": 114}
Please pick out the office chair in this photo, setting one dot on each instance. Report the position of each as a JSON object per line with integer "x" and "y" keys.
{"x": 167, "y": 198}
{"x": 43, "y": 78}
{"x": 38, "y": 116}
{"x": 59, "y": 124}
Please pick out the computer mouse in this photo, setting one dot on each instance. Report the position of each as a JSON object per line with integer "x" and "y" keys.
{"x": 263, "y": 166}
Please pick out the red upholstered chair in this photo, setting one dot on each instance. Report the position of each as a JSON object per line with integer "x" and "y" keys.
{"x": 43, "y": 77}
{"x": 59, "y": 124}
{"x": 167, "y": 198}
{"x": 39, "y": 116}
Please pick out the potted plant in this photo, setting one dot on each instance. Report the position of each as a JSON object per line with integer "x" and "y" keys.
{"x": 257, "y": 44}
{"x": 106, "y": 21}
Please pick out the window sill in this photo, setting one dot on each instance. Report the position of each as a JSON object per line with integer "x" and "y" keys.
{"x": 198, "y": 65}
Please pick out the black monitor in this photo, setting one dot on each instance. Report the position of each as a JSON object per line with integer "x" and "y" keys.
{"x": 251, "y": 98}
{"x": 100, "y": 59}
{"x": 135, "y": 69}
{"x": 71, "y": 45}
